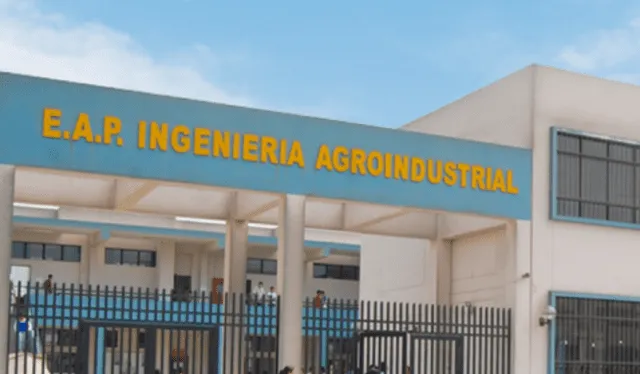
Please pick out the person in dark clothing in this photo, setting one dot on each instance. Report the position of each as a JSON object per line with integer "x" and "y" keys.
{"x": 48, "y": 284}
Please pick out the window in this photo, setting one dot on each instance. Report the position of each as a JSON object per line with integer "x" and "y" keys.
{"x": 261, "y": 266}
{"x": 132, "y": 257}
{"x": 597, "y": 178}
{"x": 596, "y": 335}
{"x": 346, "y": 272}
{"x": 48, "y": 252}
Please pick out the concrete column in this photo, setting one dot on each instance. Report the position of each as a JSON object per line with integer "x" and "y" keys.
{"x": 85, "y": 263}
{"x": 519, "y": 292}
{"x": 7, "y": 178}
{"x": 166, "y": 263}
{"x": 235, "y": 256}
{"x": 290, "y": 279}
{"x": 205, "y": 278}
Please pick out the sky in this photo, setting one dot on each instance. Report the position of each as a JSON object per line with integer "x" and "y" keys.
{"x": 376, "y": 62}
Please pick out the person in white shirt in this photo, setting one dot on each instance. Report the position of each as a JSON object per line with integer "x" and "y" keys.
{"x": 259, "y": 293}
{"x": 272, "y": 296}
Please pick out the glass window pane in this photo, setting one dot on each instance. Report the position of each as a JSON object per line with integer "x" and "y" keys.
{"x": 593, "y": 183}
{"x": 71, "y": 253}
{"x": 35, "y": 251}
{"x": 621, "y": 184}
{"x": 334, "y": 272}
{"x": 568, "y": 176}
{"x": 53, "y": 252}
{"x": 622, "y": 152}
{"x": 348, "y": 272}
{"x": 147, "y": 258}
{"x": 18, "y": 250}
{"x": 112, "y": 256}
{"x": 319, "y": 271}
{"x": 568, "y": 143}
{"x": 129, "y": 257}
{"x": 594, "y": 147}
{"x": 254, "y": 266}
{"x": 269, "y": 267}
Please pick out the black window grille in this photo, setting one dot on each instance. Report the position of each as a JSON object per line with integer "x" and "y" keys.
{"x": 132, "y": 257}
{"x": 597, "y": 178}
{"x": 262, "y": 266}
{"x": 45, "y": 251}
{"x": 328, "y": 271}
{"x": 595, "y": 335}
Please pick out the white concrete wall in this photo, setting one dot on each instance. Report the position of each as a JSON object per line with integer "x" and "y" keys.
{"x": 499, "y": 113}
{"x": 577, "y": 257}
{"x": 478, "y": 269}
{"x": 397, "y": 270}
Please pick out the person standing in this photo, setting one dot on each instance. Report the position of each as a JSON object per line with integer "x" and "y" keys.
{"x": 259, "y": 293}
{"x": 48, "y": 284}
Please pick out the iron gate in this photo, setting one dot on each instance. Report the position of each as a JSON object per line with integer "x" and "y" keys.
{"x": 116, "y": 347}
{"x": 346, "y": 337}
{"x": 397, "y": 352}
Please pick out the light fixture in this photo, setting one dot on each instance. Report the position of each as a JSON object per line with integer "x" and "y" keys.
{"x": 266, "y": 226}
{"x": 204, "y": 221}
{"x": 548, "y": 316}
{"x": 35, "y": 206}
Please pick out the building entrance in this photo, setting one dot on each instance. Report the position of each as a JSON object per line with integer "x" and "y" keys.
{"x": 146, "y": 348}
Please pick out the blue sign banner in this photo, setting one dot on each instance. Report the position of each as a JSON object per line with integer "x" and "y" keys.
{"x": 61, "y": 125}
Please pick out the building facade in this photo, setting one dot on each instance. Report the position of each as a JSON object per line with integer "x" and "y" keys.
{"x": 497, "y": 206}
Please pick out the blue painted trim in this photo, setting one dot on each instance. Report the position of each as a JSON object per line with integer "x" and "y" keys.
{"x": 597, "y": 222}
{"x": 110, "y": 227}
{"x": 551, "y": 365}
{"x": 595, "y": 296}
{"x": 221, "y": 358}
{"x": 106, "y": 229}
{"x": 553, "y": 207}
{"x": 100, "y": 350}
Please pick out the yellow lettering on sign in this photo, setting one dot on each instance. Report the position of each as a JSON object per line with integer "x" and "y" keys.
{"x": 203, "y": 141}
{"x": 51, "y": 123}
{"x": 82, "y": 129}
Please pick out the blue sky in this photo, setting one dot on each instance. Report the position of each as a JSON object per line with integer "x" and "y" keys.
{"x": 376, "y": 62}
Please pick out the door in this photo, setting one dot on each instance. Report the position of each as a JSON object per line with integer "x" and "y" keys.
{"x": 385, "y": 350}
{"x": 396, "y": 352}
{"x": 217, "y": 290}
{"x": 436, "y": 353}
{"x": 116, "y": 349}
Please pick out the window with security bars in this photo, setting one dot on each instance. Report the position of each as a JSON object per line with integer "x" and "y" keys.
{"x": 597, "y": 178}
{"x": 595, "y": 335}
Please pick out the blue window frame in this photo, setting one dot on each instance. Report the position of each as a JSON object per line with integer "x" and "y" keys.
{"x": 595, "y": 179}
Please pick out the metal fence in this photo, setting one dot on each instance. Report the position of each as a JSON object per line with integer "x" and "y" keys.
{"x": 107, "y": 330}
{"x": 596, "y": 336}
{"x": 401, "y": 338}
{"x": 75, "y": 330}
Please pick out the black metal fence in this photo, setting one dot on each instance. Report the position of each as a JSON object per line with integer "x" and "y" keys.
{"x": 107, "y": 330}
{"x": 75, "y": 330}
{"x": 348, "y": 337}
{"x": 596, "y": 336}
